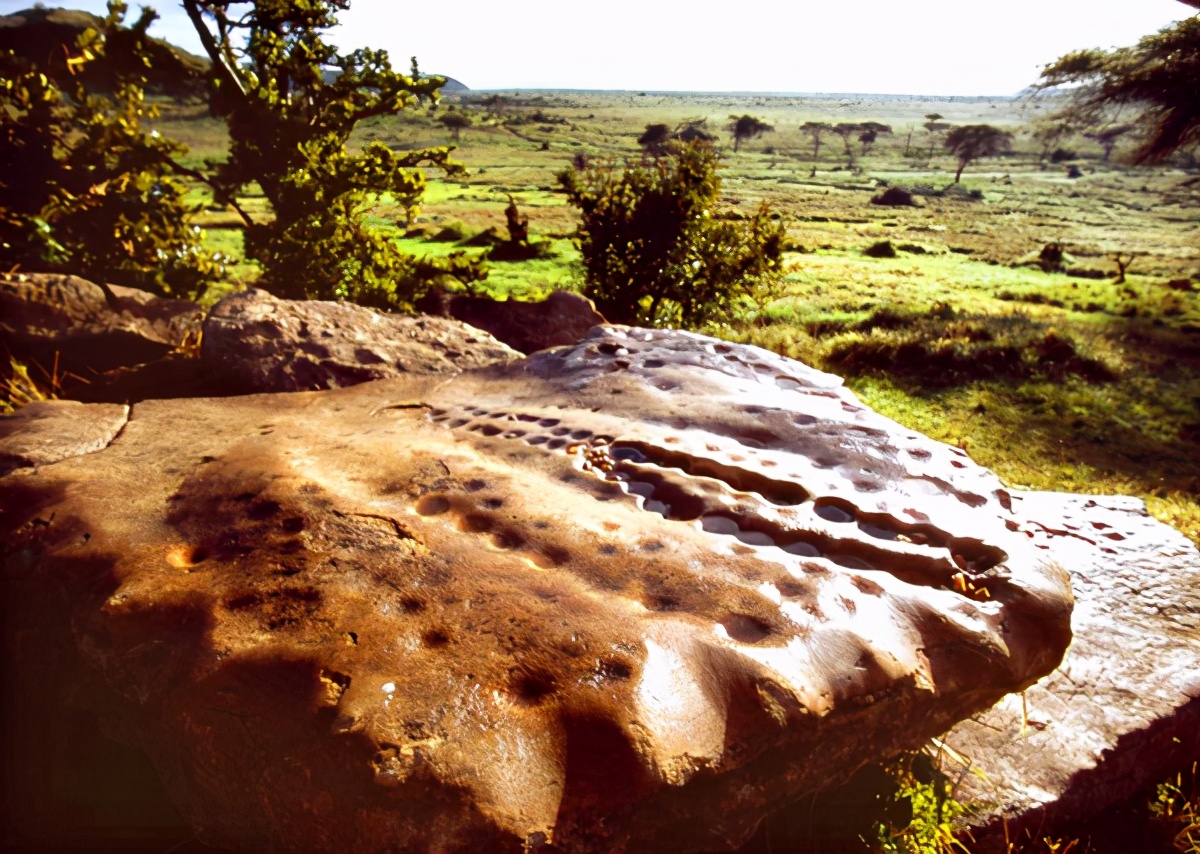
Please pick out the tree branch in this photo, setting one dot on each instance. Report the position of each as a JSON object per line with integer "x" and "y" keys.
{"x": 212, "y": 48}
{"x": 219, "y": 193}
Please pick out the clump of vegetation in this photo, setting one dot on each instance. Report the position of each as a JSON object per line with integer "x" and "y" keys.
{"x": 933, "y": 811}
{"x": 746, "y": 127}
{"x": 19, "y": 388}
{"x": 518, "y": 246}
{"x": 84, "y": 188}
{"x": 895, "y": 197}
{"x": 1175, "y": 810}
{"x": 456, "y": 122}
{"x": 946, "y": 349}
{"x": 655, "y": 253}
{"x": 880, "y": 249}
{"x": 970, "y": 142}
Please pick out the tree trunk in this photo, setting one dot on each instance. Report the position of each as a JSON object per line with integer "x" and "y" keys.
{"x": 962, "y": 164}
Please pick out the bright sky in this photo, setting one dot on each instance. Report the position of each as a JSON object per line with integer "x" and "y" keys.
{"x": 920, "y": 47}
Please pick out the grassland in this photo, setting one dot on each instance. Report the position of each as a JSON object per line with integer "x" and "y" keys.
{"x": 1056, "y": 380}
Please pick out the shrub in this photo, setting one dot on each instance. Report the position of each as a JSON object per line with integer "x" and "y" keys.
{"x": 655, "y": 253}
{"x": 880, "y": 249}
{"x": 944, "y": 349}
{"x": 896, "y": 196}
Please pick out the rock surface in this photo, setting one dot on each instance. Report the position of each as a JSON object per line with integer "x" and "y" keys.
{"x": 633, "y": 594}
{"x": 560, "y": 319}
{"x": 1122, "y": 711}
{"x": 257, "y": 343}
{"x": 43, "y": 314}
{"x": 47, "y": 431}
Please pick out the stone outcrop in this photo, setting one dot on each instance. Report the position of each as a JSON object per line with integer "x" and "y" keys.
{"x": 631, "y": 594}
{"x": 50, "y": 318}
{"x": 254, "y": 342}
{"x": 560, "y": 319}
{"x": 1122, "y": 711}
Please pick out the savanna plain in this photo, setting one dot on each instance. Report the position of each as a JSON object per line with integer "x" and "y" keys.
{"x": 1042, "y": 313}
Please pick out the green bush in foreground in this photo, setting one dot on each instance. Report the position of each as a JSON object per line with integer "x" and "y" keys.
{"x": 83, "y": 187}
{"x": 655, "y": 254}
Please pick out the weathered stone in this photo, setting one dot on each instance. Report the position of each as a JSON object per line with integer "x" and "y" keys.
{"x": 257, "y": 343}
{"x": 633, "y": 594}
{"x": 1122, "y": 711}
{"x": 560, "y": 319}
{"x": 47, "y": 431}
{"x": 65, "y": 320}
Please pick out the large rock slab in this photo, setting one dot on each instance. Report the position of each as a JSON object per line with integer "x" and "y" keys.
{"x": 65, "y": 320}
{"x": 632, "y": 594}
{"x": 257, "y": 343}
{"x": 1122, "y": 711}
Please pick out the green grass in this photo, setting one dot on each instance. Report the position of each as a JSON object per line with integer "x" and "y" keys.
{"x": 1039, "y": 420}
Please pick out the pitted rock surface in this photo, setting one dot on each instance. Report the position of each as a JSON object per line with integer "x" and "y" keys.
{"x": 52, "y": 319}
{"x": 1122, "y": 711}
{"x": 632, "y": 594}
{"x": 257, "y": 343}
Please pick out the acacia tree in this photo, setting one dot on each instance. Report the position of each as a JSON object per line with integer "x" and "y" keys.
{"x": 654, "y": 140}
{"x": 934, "y": 125}
{"x": 870, "y": 131}
{"x": 1157, "y": 78}
{"x": 747, "y": 127}
{"x": 455, "y": 122}
{"x": 289, "y": 123}
{"x": 83, "y": 187}
{"x": 655, "y": 253}
{"x": 847, "y": 131}
{"x": 1048, "y": 133}
{"x": 815, "y": 130}
{"x": 1108, "y": 136}
{"x": 970, "y": 142}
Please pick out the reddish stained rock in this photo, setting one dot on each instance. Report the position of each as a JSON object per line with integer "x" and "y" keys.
{"x": 255, "y": 342}
{"x": 1122, "y": 711}
{"x": 633, "y": 594}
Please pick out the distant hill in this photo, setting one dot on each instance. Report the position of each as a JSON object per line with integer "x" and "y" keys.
{"x": 40, "y": 34}
{"x": 452, "y": 86}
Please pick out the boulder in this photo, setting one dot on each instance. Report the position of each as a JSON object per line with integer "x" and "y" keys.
{"x": 1122, "y": 711}
{"x": 255, "y": 342}
{"x": 54, "y": 319}
{"x": 631, "y": 594}
{"x": 560, "y": 319}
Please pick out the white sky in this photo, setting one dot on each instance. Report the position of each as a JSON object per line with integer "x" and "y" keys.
{"x": 920, "y": 47}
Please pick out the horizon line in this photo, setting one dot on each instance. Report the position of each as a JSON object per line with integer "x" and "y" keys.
{"x": 728, "y": 92}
